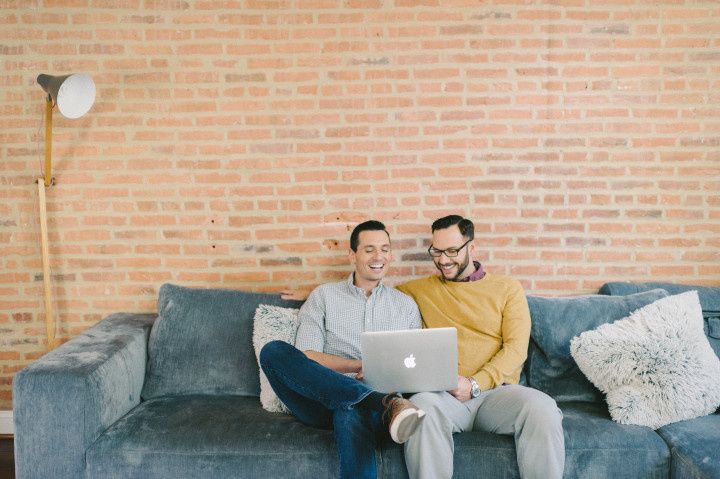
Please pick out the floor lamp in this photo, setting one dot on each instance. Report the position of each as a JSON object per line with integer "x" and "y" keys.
{"x": 74, "y": 95}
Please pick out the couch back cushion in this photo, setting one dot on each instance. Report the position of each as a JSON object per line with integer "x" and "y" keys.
{"x": 201, "y": 342}
{"x": 555, "y": 321}
{"x": 709, "y": 301}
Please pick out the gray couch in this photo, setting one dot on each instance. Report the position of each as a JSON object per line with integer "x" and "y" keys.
{"x": 174, "y": 395}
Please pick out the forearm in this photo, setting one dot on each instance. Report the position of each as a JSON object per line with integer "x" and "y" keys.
{"x": 505, "y": 364}
{"x": 336, "y": 363}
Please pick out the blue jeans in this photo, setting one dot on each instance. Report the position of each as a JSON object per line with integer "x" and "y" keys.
{"x": 320, "y": 397}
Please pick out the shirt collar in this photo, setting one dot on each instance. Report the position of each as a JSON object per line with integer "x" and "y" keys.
{"x": 354, "y": 289}
{"x": 476, "y": 276}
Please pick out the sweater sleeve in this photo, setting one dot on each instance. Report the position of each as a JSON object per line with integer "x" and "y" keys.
{"x": 516, "y": 335}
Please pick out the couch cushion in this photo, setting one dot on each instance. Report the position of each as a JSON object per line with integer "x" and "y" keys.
{"x": 201, "y": 342}
{"x": 709, "y": 300}
{"x": 231, "y": 436}
{"x": 555, "y": 321}
{"x": 694, "y": 445}
{"x": 477, "y": 454}
{"x": 211, "y": 436}
{"x": 595, "y": 447}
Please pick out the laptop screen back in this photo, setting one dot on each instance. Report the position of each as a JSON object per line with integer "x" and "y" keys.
{"x": 410, "y": 361}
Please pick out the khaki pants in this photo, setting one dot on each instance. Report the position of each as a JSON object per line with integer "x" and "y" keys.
{"x": 529, "y": 415}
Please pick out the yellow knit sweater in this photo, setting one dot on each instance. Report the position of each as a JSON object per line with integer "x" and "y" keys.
{"x": 492, "y": 320}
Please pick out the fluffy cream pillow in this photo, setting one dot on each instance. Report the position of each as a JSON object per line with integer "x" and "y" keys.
{"x": 272, "y": 323}
{"x": 656, "y": 366}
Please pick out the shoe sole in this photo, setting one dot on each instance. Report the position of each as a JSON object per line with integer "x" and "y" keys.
{"x": 405, "y": 424}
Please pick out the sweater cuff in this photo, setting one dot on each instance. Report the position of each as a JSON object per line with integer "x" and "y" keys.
{"x": 484, "y": 380}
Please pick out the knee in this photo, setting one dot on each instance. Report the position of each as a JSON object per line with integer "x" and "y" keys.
{"x": 435, "y": 418}
{"x": 427, "y": 401}
{"x": 542, "y": 410}
{"x": 272, "y": 351}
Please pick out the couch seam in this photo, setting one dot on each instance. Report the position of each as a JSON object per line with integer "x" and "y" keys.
{"x": 485, "y": 448}
{"x": 230, "y": 453}
{"x": 682, "y": 458}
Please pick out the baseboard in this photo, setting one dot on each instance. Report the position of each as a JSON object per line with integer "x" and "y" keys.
{"x": 6, "y": 423}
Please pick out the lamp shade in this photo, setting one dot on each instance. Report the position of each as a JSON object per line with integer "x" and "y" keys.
{"x": 73, "y": 94}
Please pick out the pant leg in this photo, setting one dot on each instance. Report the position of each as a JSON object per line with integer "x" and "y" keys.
{"x": 535, "y": 421}
{"x": 356, "y": 437}
{"x": 302, "y": 384}
{"x": 321, "y": 397}
{"x": 429, "y": 452}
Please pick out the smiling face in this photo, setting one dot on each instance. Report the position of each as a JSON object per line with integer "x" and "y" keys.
{"x": 459, "y": 267}
{"x": 371, "y": 259}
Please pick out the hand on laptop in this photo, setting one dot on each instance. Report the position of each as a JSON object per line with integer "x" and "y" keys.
{"x": 462, "y": 393}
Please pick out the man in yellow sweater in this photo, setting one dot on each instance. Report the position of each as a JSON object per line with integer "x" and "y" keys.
{"x": 492, "y": 319}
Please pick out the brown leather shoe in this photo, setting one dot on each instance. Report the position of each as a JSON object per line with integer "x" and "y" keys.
{"x": 402, "y": 417}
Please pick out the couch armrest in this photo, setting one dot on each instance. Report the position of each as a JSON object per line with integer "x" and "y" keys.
{"x": 63, "y": 401}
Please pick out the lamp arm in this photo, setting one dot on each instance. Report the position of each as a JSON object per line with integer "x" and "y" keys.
{"x": 43, "y": 183}
{"x": 47, "y": 283}
{"x": 48, "y": 141}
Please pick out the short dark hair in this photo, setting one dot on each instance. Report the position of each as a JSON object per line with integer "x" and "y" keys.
{"x": 466, "y": 227}
{"x": 371, "y": 225}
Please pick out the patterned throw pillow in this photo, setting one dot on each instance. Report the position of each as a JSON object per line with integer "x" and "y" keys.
{"x": 272, "y": 323}
{"x": 656, "y": 366}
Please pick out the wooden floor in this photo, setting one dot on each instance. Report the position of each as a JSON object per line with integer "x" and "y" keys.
{"x": 7, "y": 464}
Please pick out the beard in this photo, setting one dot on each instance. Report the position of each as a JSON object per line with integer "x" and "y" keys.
{"x": 460, "y": 268}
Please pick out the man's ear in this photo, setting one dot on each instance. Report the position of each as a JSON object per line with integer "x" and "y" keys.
{"x": 471, "y": 249}
{"x": 351, "y": 256}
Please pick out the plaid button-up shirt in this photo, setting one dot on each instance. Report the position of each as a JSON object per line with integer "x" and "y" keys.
{"x": 335, "y": 314}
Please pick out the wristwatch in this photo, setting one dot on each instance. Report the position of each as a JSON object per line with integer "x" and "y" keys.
{"x": 475, "y": 391}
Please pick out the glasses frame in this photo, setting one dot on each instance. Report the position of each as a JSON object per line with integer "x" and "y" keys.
{"x": 445, "y": 251}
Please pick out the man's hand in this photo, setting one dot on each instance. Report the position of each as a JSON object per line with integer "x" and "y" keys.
{"x": 294, "y": 294}
{"x": 462, "y": 393}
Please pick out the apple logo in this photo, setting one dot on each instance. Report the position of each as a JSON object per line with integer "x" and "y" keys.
{"x": 410, "y": 361}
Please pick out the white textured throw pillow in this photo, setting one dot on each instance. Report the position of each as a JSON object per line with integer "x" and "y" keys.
{"x": 656, "y": 366}
{"x": 272, "y": 323}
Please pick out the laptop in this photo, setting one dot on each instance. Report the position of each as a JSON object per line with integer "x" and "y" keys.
{"x": 409, "y": 361}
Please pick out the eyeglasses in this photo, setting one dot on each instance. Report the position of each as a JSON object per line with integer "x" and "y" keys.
{"x": 450, "y": 252}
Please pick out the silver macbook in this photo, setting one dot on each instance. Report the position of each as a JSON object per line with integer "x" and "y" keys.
{"x": 409, "y": 361}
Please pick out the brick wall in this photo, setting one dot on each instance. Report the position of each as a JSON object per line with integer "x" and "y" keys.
{"x": 235, "y": 143}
